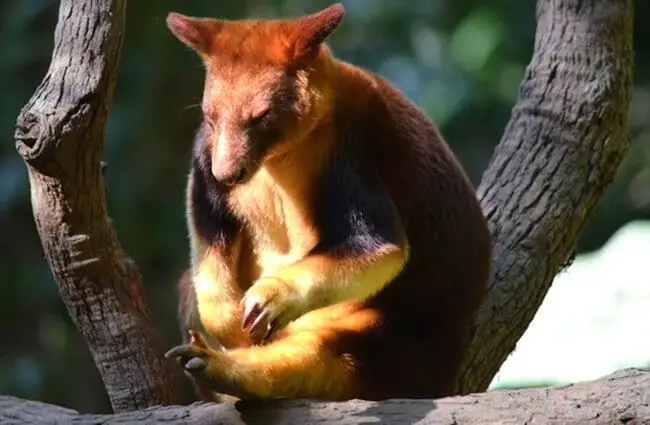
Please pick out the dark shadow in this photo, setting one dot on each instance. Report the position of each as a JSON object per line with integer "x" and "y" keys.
{"x": 358, "y": 412}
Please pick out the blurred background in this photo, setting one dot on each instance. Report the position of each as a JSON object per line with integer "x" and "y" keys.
{"x": 461, "y": 60}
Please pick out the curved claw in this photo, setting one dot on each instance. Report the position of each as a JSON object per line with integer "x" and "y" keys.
{"x": 270, "y": 329}
{"x": 261, "y": 318}
{"x": 189, "y": 355}
{"x": 197, "y": 338}
{"x": 256, "y": 318}
{"x": 261, "y": 326}
{"x": 182, "y": 351}
{"x": 269, "y": 305}
{"x": 195, "y": 364}
{"x": 251, "y": 312}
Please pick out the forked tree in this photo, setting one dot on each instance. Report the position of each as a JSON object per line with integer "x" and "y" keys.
{"x": 561, "y": 148}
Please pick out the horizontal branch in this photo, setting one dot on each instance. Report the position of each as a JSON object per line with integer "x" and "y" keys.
{"x": 620, "y": 398}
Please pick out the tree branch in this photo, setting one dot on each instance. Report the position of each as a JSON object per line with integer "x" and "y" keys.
{"x": 561, "y": 148}
{"x": 60, "y": 135}
{"x": 621, "y": 398}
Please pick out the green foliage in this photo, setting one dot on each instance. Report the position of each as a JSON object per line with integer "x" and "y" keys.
{"x": 461, "y": 60}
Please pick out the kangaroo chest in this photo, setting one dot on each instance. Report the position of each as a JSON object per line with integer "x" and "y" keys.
{"x": 276, "y": 221}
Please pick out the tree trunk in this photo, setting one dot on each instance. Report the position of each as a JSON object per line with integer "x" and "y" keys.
{"x": 60, "y": 135}
{"x": 566, "y": 137}
{"x": 561, "y": 148}
{"x": 622, "y": 398}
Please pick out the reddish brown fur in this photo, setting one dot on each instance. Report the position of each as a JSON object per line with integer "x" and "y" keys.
{"x": 380, "y": 322}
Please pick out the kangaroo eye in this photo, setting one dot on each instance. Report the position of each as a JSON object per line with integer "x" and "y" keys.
{"x": 260, "y": 117}
{"x": 211, "y": 120}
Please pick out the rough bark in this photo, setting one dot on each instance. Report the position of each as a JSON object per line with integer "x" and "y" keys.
{"x": 621, "y": 398}
{"x": 60, "y": 135}
{"x": 562, "y": 147}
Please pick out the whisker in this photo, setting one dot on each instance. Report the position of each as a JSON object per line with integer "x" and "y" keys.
{"x": 188, "y": 107}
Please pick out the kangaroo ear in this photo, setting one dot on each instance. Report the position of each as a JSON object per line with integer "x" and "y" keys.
{"x": 311, "y": 30}
{"x": 195, "y": 33}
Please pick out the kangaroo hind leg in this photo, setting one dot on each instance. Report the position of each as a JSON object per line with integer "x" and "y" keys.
{"x": 311, "y": 358}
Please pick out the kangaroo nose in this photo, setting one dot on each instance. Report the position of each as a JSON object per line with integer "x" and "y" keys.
{"x": 237, "y": 178}
{"x": 228, "y": 173}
